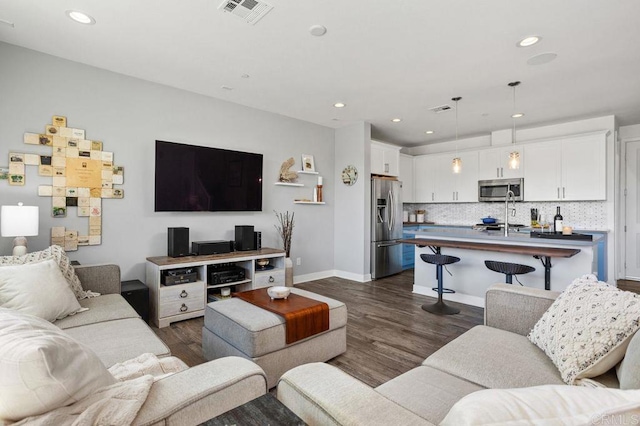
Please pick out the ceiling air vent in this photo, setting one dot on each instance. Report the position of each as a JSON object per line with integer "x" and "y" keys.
{"x": 441, "y": 108}
{"x": 250, "y": 11}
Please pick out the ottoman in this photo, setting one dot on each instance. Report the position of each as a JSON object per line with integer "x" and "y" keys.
{"x": 235, "y": 327}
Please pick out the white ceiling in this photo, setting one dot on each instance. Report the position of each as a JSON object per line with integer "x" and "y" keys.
{"x": 384, "y": 59}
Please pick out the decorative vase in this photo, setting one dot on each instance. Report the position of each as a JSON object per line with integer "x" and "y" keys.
{"x": 288, "y": 272}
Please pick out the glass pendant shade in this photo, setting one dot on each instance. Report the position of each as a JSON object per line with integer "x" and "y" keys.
{"x": 457, "y": 165}
{"x": 514, "y": 156}
{"x": 457, "y": 162}
{"x": 514, "y": 160}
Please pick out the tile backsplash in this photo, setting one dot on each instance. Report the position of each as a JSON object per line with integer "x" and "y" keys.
{"x": 590, "y": 215}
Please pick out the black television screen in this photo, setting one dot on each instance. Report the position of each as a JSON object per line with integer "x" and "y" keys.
{"x": 198, "y": 178}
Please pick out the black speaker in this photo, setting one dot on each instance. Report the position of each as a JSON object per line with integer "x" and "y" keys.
{"x": 257, "y": 240}
{"x": 244, "y": 238}
{"x": 178, "y": 244}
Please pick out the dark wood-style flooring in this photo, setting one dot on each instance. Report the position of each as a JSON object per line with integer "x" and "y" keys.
{"x": 387, "y": 331}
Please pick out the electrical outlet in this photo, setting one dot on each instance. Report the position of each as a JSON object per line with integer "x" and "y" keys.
{"x": 298, "y": 261}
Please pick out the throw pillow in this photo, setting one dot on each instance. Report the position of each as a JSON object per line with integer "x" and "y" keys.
{"x": 42, "y": 368}
{"x": 585, "y": 332}
{"x": 58, "y": 254}
{"x": 548, "y": 404}
{"x": 38, "y": 289}
{"x": 628, "y": 371}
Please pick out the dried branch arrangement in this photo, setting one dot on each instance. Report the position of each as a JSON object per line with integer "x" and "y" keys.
{"x": 285, "y": 229}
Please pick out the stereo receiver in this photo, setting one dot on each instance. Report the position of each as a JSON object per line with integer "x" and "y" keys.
{"x": 179, "y": 276}
{"x": 225, "y": 273}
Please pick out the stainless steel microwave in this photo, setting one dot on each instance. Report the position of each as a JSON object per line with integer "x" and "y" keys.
{"x": 496, "y": 190}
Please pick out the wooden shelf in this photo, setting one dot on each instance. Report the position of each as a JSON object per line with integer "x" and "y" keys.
{"x": 302, "y": 172}
{"x": 288, "y": 184}
{"x": 309, "y": 202}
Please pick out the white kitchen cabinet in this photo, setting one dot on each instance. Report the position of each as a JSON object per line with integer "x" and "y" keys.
{"x": 584, "y": 166}
{"x": 457, "y": 187}
{"x": 568, "y": 169}
{"x": 494, "y": 163}
{"x": 424, "y": 178}
{"x": 385, "y": 159}
{"x": 406, "y": 177}
{"x": 435, "y": 182}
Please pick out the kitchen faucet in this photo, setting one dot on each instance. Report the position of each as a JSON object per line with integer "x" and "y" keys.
{"x": 506, "y": 210}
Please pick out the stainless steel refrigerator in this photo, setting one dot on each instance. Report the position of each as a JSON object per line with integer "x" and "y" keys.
{"x": 386, "y": 227}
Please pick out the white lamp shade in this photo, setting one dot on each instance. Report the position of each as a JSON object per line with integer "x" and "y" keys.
{"x": 19, "y": 221}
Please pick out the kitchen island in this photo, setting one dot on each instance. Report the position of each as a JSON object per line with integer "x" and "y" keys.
{"x": 568, "y": 259}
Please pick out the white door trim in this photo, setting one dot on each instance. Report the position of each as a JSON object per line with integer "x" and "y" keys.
{"x": 624, "y": 212}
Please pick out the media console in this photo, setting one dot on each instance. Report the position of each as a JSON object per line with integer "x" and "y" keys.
{"x": 171, "y": 303}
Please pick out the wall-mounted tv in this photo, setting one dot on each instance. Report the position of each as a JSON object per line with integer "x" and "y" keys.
{"x": 198, "y": 178}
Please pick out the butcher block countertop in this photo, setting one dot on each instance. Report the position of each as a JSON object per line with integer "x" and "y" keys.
{"x": 535, "y": 250}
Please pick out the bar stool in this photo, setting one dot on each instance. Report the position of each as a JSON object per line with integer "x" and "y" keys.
{"x": 509, "y": 269}
{"x": 439, "y": 308}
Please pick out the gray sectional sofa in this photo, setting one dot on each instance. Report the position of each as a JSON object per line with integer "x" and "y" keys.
{"x": 495, "y": 355}
{"x": 116, "y": 333}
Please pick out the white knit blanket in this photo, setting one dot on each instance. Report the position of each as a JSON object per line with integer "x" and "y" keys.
{"x": 117, "y": 404}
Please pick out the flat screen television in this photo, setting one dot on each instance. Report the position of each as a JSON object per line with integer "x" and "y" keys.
{"x": 198, "y": 178}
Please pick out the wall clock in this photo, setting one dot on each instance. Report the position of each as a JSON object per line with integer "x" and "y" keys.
{"x": 349, "y": 175}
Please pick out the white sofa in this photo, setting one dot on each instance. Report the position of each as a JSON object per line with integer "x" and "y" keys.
{"x": 116, "y": 333}
{"x": 496, "y": 355}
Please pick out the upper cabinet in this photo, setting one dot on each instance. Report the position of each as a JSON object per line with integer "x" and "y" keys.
{"x": 385, "y": 159}
{"x": 459, "y": 187}
{"x": 406, "y": 177}
{"x": 494, "y": 163}
{"x": 568, "y": 169}
{"x": 424, "y": 178}
{"x": 435, "y": 182}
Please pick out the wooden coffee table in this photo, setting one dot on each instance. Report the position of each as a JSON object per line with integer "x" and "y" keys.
{"x": 264, "y": 410}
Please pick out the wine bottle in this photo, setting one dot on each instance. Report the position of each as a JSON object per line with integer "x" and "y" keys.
{"x": 557, "y": 221}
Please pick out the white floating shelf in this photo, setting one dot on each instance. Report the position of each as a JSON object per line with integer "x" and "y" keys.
{"x": 288, "y": 184}
{"x": 309, "y": 202}
{"x": 302, "y": 172}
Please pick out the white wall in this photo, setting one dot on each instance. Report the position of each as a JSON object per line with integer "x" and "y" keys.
{"x": 630, "y": 132}
{"x": 128, "y": 115}
{"x": 352, "y": 219}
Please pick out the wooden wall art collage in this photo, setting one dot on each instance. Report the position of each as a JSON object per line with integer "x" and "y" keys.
{"x": 82, "y": 175}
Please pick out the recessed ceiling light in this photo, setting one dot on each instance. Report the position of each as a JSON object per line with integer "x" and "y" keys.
{"x": 317, "y": 30}
{"x": 396, "y": 120}
{"x": 429, "y": 132}
{"x": 542, "y": 58}
{"x": 517, "y": 115}
{"x": 339, "y": 105}
{"x": 80, "y": 17}
{"x": 528, "y": 41}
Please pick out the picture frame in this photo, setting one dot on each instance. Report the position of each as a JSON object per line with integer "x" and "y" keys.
{"x": 308, "y": 165}
{"x": 4, "y": 173}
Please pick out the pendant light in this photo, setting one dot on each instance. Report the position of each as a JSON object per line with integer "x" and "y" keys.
{"x": 514, "y": 156}
{"x": 457, "y": 162}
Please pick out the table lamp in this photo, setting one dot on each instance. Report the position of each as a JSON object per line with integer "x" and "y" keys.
{"x": 19, "y": 222}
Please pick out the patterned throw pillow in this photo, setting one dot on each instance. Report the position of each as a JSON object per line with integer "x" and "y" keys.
{"x": 587, "y": 329}
{"x": 56, "y": 253}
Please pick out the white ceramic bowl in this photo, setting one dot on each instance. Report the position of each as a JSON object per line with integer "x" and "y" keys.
{"x": 278, "y": 292}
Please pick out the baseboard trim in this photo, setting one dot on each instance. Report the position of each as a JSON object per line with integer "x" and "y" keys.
{"x": 454, "y": 297}
{"x": 298, "y": 279}
{"x": 361, "y": 278}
